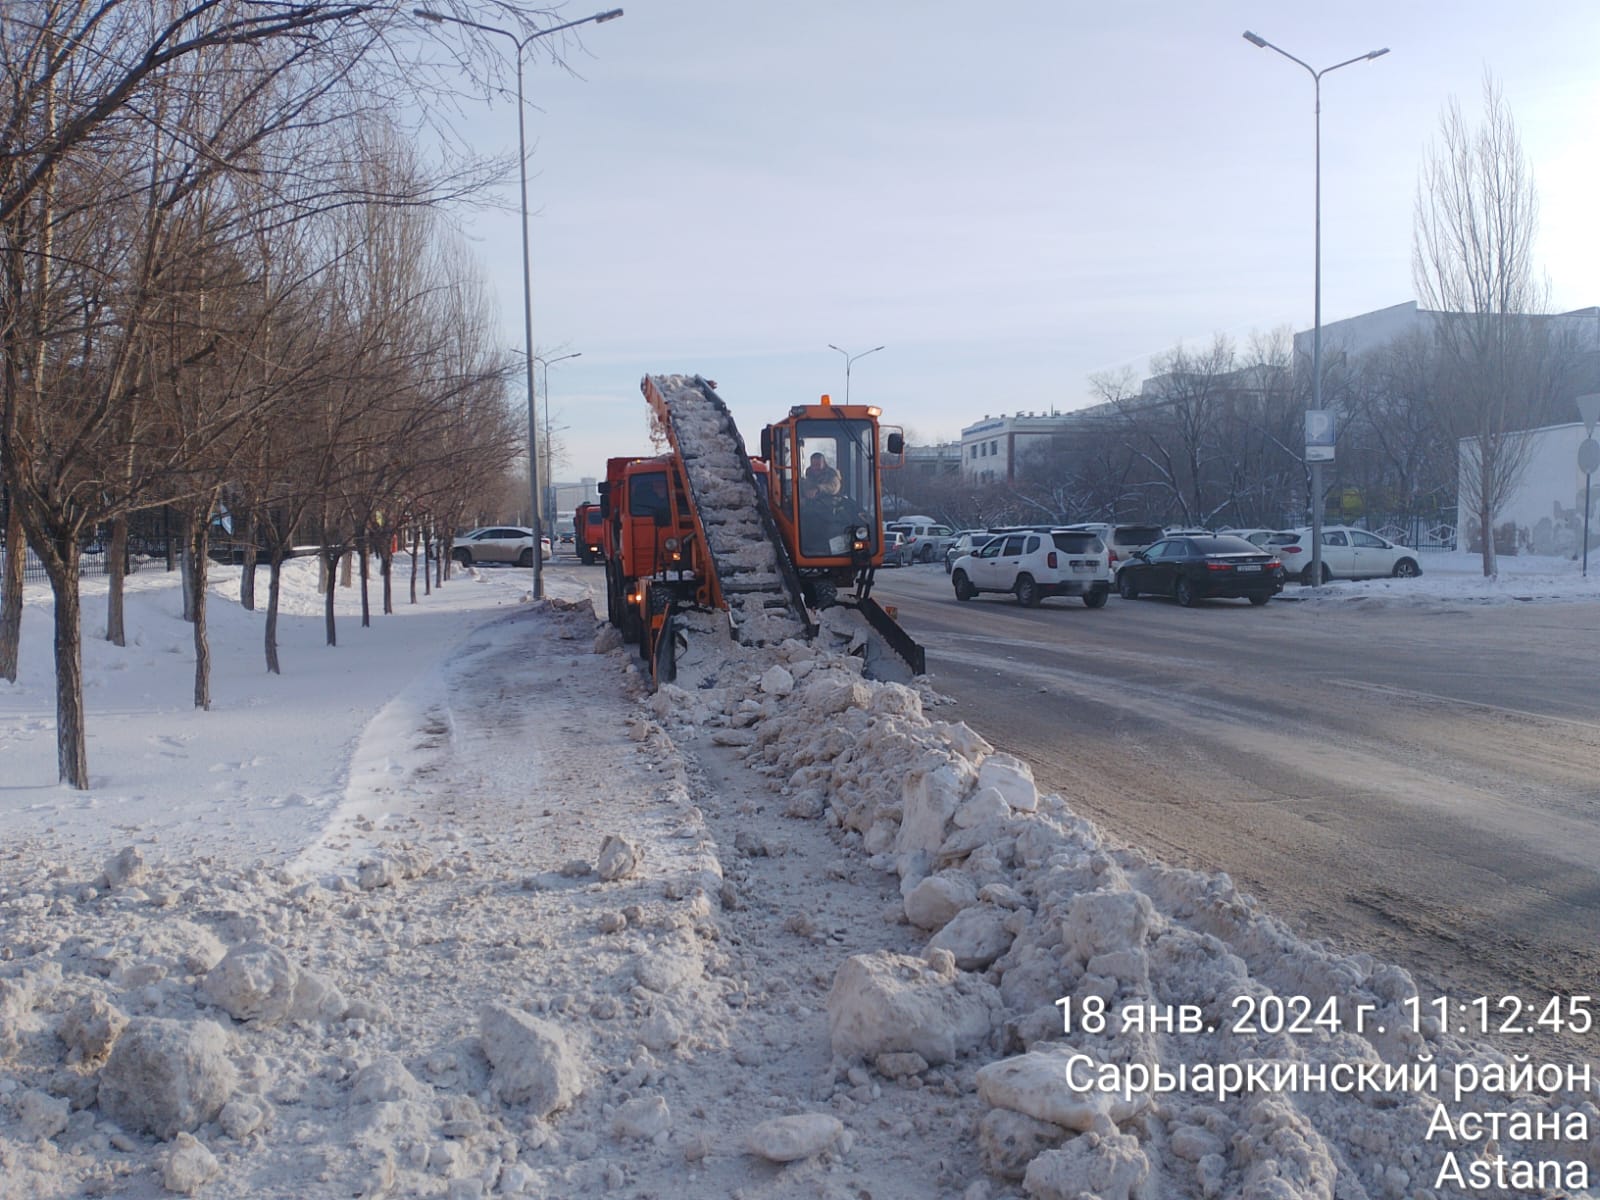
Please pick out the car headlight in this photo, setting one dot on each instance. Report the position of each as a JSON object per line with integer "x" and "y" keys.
{"x": 671, "y": 544}
{"x": 860, "y": 533}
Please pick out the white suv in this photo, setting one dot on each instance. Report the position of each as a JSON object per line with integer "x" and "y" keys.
{"x": 1033, "y": 564}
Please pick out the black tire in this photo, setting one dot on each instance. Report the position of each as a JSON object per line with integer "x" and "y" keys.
{"x": 586, "y": 558}
{"x": 1028, "y": 592}
{"x": 964, "y": 589}
{"x": 925, "y": 553}
{"x": 1259, "y": 598}
{"x": 525, "y": 559}
{"x": 1407, "y": 568}
{"x": 1096, "y": 597}
{"x": 462, "y": 555}
{"x": 1183, "y": 592}
{"x": 1125, "y": 587}
{"x": 1307, "y": 579}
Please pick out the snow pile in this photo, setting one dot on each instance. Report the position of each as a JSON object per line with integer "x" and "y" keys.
{"x": 1075, "y": 969}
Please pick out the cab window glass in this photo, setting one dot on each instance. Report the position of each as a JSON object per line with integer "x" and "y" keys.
{"x": 1335, "y": 538}
{"x": 1367, "y": 541}
{"x": 1013, "y": 545}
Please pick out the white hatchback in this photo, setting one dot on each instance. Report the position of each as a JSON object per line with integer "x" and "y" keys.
{"x": 1350, "y": 553}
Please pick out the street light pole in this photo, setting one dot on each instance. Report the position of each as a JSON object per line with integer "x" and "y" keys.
{"x": 848, "y": 359}
{"x": 527, "y": 270}
{"x": 1316, "y": 325}
{"x": 549, "y": 451}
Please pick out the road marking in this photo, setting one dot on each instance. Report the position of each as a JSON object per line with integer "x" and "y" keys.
{"x": 1411, "y": 694}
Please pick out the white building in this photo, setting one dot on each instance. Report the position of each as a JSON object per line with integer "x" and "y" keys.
{"x": 992, "y": 449}
{"x": 1544, "y": 514}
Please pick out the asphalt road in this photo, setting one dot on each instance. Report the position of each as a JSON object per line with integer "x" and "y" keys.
{"x": 1419, "y": 783}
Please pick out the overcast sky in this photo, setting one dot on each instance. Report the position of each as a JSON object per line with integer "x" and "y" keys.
{"x": 1008, "y": 199}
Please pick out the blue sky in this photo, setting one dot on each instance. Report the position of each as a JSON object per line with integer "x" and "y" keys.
{"x": 1008, "y": 200}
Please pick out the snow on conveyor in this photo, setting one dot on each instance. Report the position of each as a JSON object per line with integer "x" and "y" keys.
{"x": 724, "y": 492}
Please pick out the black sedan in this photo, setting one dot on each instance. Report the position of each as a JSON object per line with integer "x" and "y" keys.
{"x": 1194, "y": 568}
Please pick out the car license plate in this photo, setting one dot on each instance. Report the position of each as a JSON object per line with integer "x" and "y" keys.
{"x": 1252, "y": 567}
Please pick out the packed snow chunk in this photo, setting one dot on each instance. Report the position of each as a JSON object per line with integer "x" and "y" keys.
{"x": 934, "y": 901}
{"x": 1008, "y": 1141}
{"x": 165, "y": 1077}
{"x": 1035, "y": 1084}
{"x": 253, "y": 982}
{"x": 189, "y": 1166}
{"x": 641, "y": 1118}
{"x": 985, "y": 804}
{"x": 316, "y": 998}
{"x": 383, "y": 1080}
{"x": 885, "y": 1002}
{"x": 392, "y": 867}
{"x": 1012, "y": 778}
{"x": 609, "y": 638}
{"x": 1104, "y": 922}
{"x": 90, "y": 1028}
{"x": 242, "y": 1116}
{"x": 1108, "y": 1167}
{"x": 534, "y": 1064}
{"x": 1281, "y": 1153}
{"x": 832, "y": 694}
{"x": 777, "y": 682}
{"x": 125, "y": 869}
{"x": 42, "y": 1115}
{"x": 789, "y": 1139}
{"x": 674, "y": 963}
{"x": 976, "y": 936}
{"x": 619, "y": 858}
{"x": 660, "y": 1031}
{"x": 896, "y": 700}
{"x": 930, "y": 799}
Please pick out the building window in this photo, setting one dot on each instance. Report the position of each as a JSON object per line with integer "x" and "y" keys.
{"x": 994, "y": 447}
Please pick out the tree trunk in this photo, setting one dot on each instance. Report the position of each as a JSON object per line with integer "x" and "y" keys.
{"x": 330, "y": 564}
{"x": 72, "y": 759}
{"x": 198, "y": 561}
{"x": 16, "y": 561}
{"x": 415, "y": 540}
{"x": 186, "y": 565}
{"x": 247, "y": 577}
{"x": 386, "y": 569}
{"x": 276, "y": 575}
{"x": 117, "y": 564}
{"x": 1486, "y": 493}
{"x": 366, "y": 603}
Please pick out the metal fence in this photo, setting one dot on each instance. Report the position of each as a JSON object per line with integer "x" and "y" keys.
{"x": 90, "y": 563}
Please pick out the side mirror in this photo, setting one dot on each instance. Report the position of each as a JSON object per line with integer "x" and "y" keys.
{"x": 895, "y": 443}
{"x": 1141, "y": 556}
{"x": 766, "y": 443}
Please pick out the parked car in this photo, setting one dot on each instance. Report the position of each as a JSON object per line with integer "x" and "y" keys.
{"x": 498, "y": 544}
{"x": 1035, "y": 564}
{"x": 926, "y": 540}
{"x": 1195, "y": 568}
{"x": 1349, "y": 553}
{"x": 1285, "y": 543}
{"x": 967, "y": 540}
{"x": 894, "y": 548}
{"x": 1122, "y": 541}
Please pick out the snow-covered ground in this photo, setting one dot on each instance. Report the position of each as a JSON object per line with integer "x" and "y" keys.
{"x": 457, "y": 908}
{"x": 1457, "y": 577}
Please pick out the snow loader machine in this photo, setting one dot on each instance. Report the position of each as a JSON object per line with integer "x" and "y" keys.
{"x": 769, "y": 540}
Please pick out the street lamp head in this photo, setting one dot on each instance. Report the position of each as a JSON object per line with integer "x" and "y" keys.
{"x": 1378, "y": 53}
{"x": 1255, "y": 39}
{"x": 609, "y": 15}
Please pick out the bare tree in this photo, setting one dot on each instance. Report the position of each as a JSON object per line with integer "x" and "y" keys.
{"x": 1472, "y": 260}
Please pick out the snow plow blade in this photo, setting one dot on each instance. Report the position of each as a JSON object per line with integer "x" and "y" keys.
{"x": 889, "y": 629}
